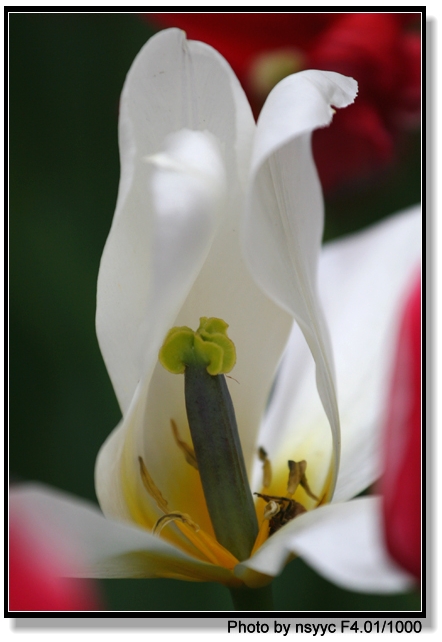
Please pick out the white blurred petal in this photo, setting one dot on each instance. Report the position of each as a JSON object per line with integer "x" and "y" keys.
{"x": 342, "y": 542}
{"x": 107, "y": 548}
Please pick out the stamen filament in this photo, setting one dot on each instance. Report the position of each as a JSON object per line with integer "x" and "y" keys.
{"x": 208, "y": 545}
{"x": 203, "y": 542}
{"x": 151, "y": 488}
{"x": 189, "y": 453}
{"x": 263, "y": 536}
{"x": 174, "y": 517}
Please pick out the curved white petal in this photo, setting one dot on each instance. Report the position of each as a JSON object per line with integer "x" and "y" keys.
{"x": 365, "y": 322}
{"x": 154, "y": 276}
{"x": 172, "y": 85}
{"x": 187, "y": 185}
{"x": 362, "y": 280}
{"x": 106, "y": 548}
{"x": 283, "y": 227}
{"x": 342, "y": 542}
{"x": 187, "y": 196}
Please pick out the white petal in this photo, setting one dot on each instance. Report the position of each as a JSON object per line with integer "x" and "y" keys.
{"x": 284, "y": 223}
{"x": 298, "y": 105}
{"x": 342, "y": 542}
{"x": 179, "y": 84}
{"x": 172, "y": 85}
{"x": 365, "y": 317}
{"x": 187, "y": 195}
{"x": 105, "y": 548}
{"x": 187, "y": 190}
{"x": 362, "y": 281}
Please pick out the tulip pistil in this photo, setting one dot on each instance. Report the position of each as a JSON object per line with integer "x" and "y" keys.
{"x": 204, "y": 357}
{"x": 209, "y": 347}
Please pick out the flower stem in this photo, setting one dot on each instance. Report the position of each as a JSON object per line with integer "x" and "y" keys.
{"x": 248, "y": 599}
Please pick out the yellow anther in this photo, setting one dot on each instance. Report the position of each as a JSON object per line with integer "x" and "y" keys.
{"x": 266, "y": 468}
{"x": 297, "y": 478}
{"x": 280, "y": 510}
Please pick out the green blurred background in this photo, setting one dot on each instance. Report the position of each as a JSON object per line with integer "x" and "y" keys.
{"x": 66, "y": 75}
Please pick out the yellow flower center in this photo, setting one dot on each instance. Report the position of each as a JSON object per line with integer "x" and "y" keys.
{"x": 241, "y": 524}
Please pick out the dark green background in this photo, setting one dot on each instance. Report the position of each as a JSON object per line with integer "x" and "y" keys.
{"x": 66, "y": 74}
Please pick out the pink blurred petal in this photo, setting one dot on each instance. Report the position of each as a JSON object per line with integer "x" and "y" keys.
{"x": 401, "y": 484}
{"x": 39, "y": 570}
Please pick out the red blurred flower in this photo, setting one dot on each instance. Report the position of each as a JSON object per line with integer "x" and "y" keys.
{"x": 401, "y": 484}
{"x": 39, "y": 565}
{"x": 380, "y": 50}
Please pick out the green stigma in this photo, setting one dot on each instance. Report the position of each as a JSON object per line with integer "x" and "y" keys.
{"x": 209, "y": 346}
